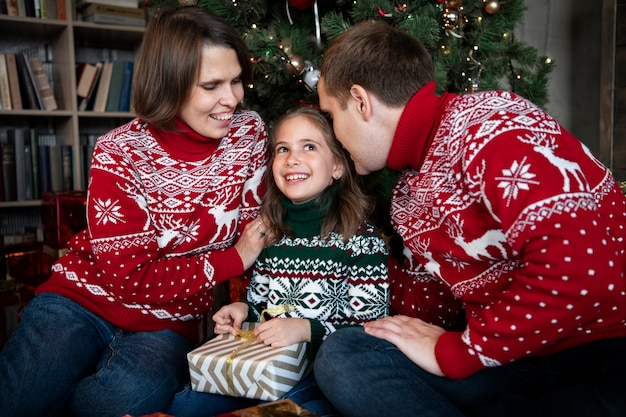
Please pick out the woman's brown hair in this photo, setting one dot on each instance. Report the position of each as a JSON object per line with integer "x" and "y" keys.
{"x": 170, "y": 58}
{"x": 351, "y": 206}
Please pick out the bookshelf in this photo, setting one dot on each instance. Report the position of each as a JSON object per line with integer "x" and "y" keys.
{"x": 65, "y": 43}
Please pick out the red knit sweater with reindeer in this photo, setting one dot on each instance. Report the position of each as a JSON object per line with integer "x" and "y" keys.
{"x": 505, "y": 213}
{"x": 163, "y": 210}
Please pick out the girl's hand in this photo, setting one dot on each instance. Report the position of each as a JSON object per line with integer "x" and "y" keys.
{"x": 228, "y": 319}
{"x": 280, "y": 332}
{"x": 414, "y": 337}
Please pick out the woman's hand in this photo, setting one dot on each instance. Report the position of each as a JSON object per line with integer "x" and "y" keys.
{"x": 414, "y": 337}
{"x": 280, "y": 332}
{"x": 252, "y": 241}
{"x": 228, "y": 319}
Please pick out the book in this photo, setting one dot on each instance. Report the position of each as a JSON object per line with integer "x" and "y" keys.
{"x": 45, "y": 176}
{"x": 14, "y": 82}
{"x": 5, "y": 92}
{"x": 67, "y": 167}
{"x": 87, "y": 101}
{"x": 36, "y": 177}
{"x": 123, "y": 3}
{"x": 100, "y": 102}
{"x": 16, "y": 136}
{"x": 113, "y": 10}
{"x": 86, "y": 75}
{"x": 29, "y": 192}
{"x": 110, "y": 19}
{"x": 115, "y": 87}
{"x": 126, "y": 86}
{"x": 9, "y": 181}
{"x": 56, "y": 169}
{"x": 61, "y": 11}
{"x": 43, "y": 84}
{"x": 30, "y": 94}
{"x": 12, "y": 9}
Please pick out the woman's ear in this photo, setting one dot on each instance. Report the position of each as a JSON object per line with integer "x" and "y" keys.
{"x": 362, "y": 101}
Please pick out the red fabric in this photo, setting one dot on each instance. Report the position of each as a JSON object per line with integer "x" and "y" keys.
{"x": 162, "y": 223}
{"x": 498, "y": 218}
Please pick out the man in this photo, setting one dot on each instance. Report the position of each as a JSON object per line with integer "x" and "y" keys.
{"x": 505, "y": 217}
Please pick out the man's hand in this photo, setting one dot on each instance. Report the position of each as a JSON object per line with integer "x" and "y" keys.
{"x": 414, "y": 337}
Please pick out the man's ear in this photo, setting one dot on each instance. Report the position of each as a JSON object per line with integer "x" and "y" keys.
{"x": 362, "y": 101}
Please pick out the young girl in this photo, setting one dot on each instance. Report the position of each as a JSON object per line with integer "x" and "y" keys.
{"x": 328, "y": 261}
{"x": 170, "y": 194}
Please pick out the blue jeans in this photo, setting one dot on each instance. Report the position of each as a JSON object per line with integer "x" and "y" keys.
{"x": 189, "y": 403}
{"x": 64, "y": 359}
{"x": 366, "y": 376}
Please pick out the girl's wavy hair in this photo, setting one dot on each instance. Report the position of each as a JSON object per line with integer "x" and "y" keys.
{"x": 347, "y": 211}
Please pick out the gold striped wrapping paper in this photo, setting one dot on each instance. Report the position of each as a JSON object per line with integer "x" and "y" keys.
{"x": 257, "y": 371}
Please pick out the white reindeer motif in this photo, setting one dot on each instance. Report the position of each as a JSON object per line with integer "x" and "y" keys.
{"x": 223, "y": 218}
{"x": 252, "y": 185}
{"x": 141, "y": 202}
{"x": 546, "y": 147}
{"x": 476, "y": 248}
{"x": 431, "y": 266}
{"x": 169, "y": 229}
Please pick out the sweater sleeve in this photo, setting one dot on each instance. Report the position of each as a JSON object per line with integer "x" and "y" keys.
{"x": 564, "y": 219}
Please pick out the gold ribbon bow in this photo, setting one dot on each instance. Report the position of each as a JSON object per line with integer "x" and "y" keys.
{"x": 248, "y": 338}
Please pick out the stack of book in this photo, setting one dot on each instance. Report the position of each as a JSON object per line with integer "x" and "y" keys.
{"x": 24, "y": 83}
{"x": 114, "y": 12}
{"x": 104, "y": 86}
{"x": 32, "y": 163}
{"x": 42, "y": 9}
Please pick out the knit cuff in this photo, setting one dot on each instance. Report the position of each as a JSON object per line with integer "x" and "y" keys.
{"x": 455, "y": 359}
{"x": 317, "y": 336}
{"x": 227, "y": 264}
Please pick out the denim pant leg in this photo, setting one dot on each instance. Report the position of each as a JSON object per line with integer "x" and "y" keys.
{"x": 366, "y": 376}
{"x": 138, "y": 373}
{"x": 308, "y": 395}
{"x": 190, "y": 403}
{"x": 55, "y": 344}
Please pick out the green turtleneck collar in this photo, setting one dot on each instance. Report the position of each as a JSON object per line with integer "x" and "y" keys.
{"x": 306, "y": 219}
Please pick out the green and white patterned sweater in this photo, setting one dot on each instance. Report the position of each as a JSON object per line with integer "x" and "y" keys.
{"x": 332, "y": 283}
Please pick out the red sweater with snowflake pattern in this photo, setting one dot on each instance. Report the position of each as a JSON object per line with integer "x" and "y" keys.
{"x": 163, "y": 211}
{"x": 505, "y": 213}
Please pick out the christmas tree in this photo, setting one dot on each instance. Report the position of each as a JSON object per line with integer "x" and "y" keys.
{"x": 471, "y": 41}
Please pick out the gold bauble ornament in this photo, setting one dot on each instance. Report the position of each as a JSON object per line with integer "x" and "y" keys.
{"x": 187, "y": 2}
{"x": 453, "y": 3}
{"x": 492, "y": 6}
{"x": 295, "y": 65}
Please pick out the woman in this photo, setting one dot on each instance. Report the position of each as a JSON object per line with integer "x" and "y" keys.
{"x": 171, "y": 198}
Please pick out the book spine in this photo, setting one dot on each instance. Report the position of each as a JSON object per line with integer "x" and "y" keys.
{"x": 34, "y": 144}
{"x": 126, "y": 86}
{"x": 17, "y": 137}
{"x": 67, "y": 159}
{"x": 14, "y": 82}
{"x": 43, "y": 84}
{"x": 5, "y": 89}
{"x": 29, "y": 95}
{"x": 8, "y": 170}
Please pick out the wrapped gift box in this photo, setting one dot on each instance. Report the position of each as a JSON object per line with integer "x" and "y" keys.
{"x": 229, "y": 365}
{"x": 280, "y": 408}
{"x": 63, "y": 214}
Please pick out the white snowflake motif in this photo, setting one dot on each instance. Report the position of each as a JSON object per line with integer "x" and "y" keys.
{"x": 188, "y": 233}
{"x": 108, "y": 211}
{"x": 516, "y": 178}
